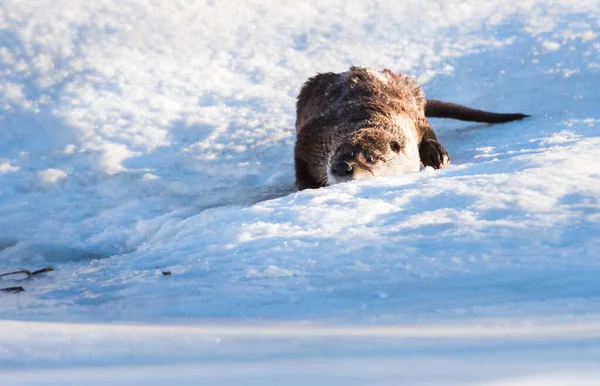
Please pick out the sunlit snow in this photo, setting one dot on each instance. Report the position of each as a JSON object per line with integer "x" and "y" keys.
{"x": 138, "y": 137}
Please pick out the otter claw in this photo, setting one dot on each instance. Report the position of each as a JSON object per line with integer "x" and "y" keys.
{"x": 433, "y": 154}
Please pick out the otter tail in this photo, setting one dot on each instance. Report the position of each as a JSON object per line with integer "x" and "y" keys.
{"x": 440, "y": 109}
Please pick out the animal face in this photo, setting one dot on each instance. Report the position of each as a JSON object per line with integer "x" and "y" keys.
{"x": 373, "y": 152}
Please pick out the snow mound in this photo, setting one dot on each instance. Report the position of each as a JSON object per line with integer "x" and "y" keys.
{"x": 143, "y": 137}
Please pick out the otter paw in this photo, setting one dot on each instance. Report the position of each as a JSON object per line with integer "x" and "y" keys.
{"x": 433, "y": 154}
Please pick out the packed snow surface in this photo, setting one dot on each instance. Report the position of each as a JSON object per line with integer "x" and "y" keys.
{"x": 138, "y": 137}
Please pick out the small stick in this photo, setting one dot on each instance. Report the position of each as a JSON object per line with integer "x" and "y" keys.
{"x": 24, "y": 271}
{"x": 28, "y": 272}
{"x": 43, "y": 270}
{"x": 13, "y": 290}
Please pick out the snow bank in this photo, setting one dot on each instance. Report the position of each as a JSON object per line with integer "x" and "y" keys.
{"x": 141, "y": 137}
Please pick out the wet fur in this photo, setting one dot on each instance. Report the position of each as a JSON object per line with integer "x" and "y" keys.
{"x": 368, "y": 109}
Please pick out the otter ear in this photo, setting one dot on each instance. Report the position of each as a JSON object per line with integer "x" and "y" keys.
{"x": 395, "y": 146}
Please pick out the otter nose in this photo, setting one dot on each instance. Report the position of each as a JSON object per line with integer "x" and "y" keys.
{"x": 342, "y": 168}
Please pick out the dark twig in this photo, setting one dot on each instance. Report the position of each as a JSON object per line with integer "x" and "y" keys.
{"x": 23, "y": 271}
{"x": 13, "y": 290}
{"x": 28, "y": 273}
{"x": 43, "y": 270}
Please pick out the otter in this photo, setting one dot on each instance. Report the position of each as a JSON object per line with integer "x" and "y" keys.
{"x": 366, "y": 123}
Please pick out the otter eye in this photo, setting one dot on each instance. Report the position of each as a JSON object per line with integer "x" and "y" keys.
{"x": 395, "y": 146}
{"x": 370, "y": 159}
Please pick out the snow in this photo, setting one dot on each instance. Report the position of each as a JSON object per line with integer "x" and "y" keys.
{"x": 551, "y": 46}
{"x": 382, "y": 371}
{"x": 140, "y": 137}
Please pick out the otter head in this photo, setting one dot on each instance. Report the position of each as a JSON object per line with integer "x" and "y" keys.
{"x": 373, "y": 152}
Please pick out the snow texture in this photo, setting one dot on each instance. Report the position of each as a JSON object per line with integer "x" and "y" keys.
{"x": 139, "y": 137}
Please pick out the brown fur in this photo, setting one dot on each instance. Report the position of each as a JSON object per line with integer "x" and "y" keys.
{"x": 361, "y": 117}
